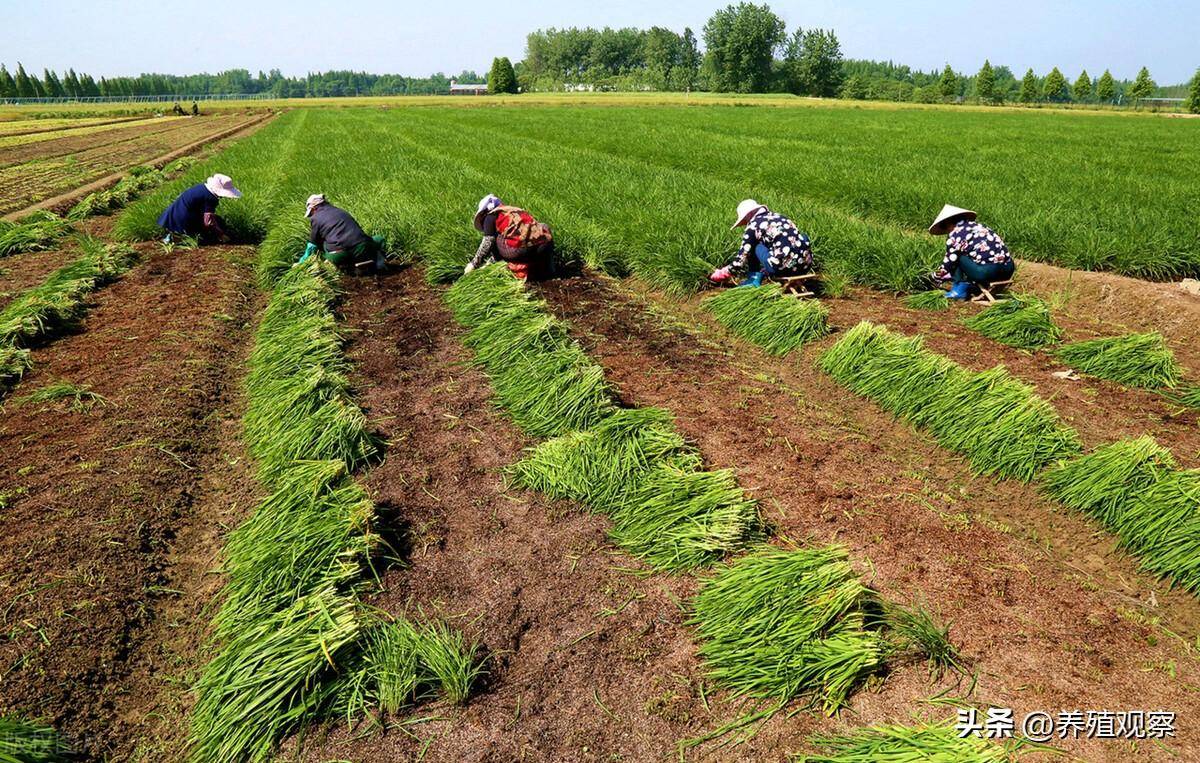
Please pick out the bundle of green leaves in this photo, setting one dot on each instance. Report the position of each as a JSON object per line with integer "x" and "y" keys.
{"x": 1135, "y": 360}
{"x": 909, "y": 744}
{"x": 23, "y": 741}
{"x": 35, "y": 232}
{"x": 928, "y": 300}
{"x": 769, "y": 318}
{"x": 1022, "y": 321}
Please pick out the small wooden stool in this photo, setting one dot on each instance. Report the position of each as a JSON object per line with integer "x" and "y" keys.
{"x": 987, "y": 294}
{"x": 799, "y": 286}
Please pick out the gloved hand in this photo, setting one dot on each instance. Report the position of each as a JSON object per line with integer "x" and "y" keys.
{"x": 721, "y": 274}
{"x": 470, "y": 266}
{"x": 309, "y": 251}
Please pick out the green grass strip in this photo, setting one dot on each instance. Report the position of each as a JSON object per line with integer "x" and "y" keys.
{"x": 764, "y": 315}
{"x": 928, "y": 300}
{"x": 782, "y": 624}
{"x": 996, "y": 421}
{"x": 1022, "y": 321}
{"x": 1104, "y": 484}
{"x": 921, "y": 743}
{"x": 1135, "y": 360}
{"x": 35, "y": 232}
{"x": 1190, "y": 397}
{"x": 23, "y": 741}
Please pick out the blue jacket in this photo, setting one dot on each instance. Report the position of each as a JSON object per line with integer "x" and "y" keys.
{"x": 186, "y": 213}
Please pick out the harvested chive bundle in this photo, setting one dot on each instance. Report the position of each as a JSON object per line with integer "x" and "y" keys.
{"x": 782, "y": 624}
{"x": 1022, "y": 321}
{"x": 995, "y": 420}
{"x": 769, "y": 318}
{"x": 1135, "y": 360}
{"x": 928, "y": 300}
{"x": 23, "y": 741}
{"x": 921, "y": 743}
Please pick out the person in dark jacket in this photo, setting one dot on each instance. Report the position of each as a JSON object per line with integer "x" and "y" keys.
{"x": 194, "y": 212}
{"x": 975, "y": 254}
{"x": 771, "y": 246}
{"x": 337, "y": 237}
{"x": 511, "y": 234}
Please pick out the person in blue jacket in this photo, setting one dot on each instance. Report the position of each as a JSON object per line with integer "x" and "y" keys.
{"x": 194, "y": 212}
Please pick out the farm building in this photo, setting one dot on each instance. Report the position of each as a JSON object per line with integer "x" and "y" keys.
{"x": 468, "y": 88}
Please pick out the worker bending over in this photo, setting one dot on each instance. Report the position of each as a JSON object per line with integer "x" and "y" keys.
{"x": 771, "y": 245}
{"x": 975, "y": 255}
{"x": 194, "y": 212}
{"x": 336, "y": 236}
{"x": 511, "y": 234}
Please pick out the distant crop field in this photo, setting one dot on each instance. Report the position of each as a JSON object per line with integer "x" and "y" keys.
{"x": 651, "y": 189}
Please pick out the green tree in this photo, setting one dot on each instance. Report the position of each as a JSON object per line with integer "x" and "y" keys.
{"x": 1106, "y": 87}
{"x": 1029, "y": 88}
{"x": 854, "y": 88}
{"x": 985, "y": 83}
{"x": 1143, "y": 86}
{"x": 947, "y": 84}
{"x": 1193, "y": 99}
{"x": 1055, "y": 88}
{"x": 502, "y": 78}
{"x": 813, "y": 63}
{"x": 689, "y": 59}
{"x": 1081, "y": 91}
{"x": 51, "y": 85}
{"x": 8, "y": 86}
{"x": 25, "y": 88}
{"x": 741, "y": 41}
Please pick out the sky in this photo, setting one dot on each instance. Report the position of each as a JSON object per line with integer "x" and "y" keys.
{"x": 124, "y": 37}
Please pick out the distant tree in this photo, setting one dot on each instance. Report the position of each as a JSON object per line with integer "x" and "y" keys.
{"x": 8, "y": 86}
{"x": 51, "y": 84}
{"x": 985, "y": 83}
{"x": 71, "y": 84}
{"x": 689, "y": 59}
{"x": 1106, "y": 88}
{"x": 741, "y": 41}
{"x": 1029, "y": 88}
{"x": 948, "y": 84}
{"x": 88, "y": 86}
{"x": 854, "y": 88}
{"x": 1193, "y": 100}
{"x": 1055, "y": 88}
{"x": 25, "y": 87}
{"x": 502, "y": 78}
{"x": 1143, "y": 86}
{"x": 1081, "y": 91}
{"x": 817, "y": 67}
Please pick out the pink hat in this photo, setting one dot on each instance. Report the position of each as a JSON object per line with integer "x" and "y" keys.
{"x": 747, "y": 209}
{"x": 222, "y": 185}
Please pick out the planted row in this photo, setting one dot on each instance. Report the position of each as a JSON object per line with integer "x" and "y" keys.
{"x": 769, "y": 318}
{"x": 998, "y": 422}
{"x": 297, "y": 644}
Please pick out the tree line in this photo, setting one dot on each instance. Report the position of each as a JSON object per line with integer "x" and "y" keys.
{"x": 240, "y": 81}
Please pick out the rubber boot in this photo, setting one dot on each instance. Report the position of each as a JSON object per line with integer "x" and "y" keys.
{"x": 754, "y": 279}
{"x": 960, "y": 290}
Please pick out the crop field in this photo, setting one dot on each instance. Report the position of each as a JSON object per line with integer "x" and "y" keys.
{"x": 255, "y": 511}
{"x": 35, "y": 167}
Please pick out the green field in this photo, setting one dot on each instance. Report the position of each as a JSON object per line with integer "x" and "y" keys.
{"x": 651, "y": 189}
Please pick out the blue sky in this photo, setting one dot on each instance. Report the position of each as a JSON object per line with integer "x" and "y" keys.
{"x": 117, "y": 37}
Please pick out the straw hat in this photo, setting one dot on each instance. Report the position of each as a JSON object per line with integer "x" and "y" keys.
{"x": 486, "y": 204}
{"x": 746, "y": 210}
{"x": 947, "y": 218}
{"x": 222, "y": 185}
{"x": 314, "y": 201}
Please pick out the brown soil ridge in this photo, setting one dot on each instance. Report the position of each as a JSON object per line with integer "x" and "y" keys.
{"x": 112, "y": 516}
{"x": 1050, "y": 619}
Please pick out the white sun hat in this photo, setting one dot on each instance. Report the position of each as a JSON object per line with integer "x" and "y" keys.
{"x": 314, "y": 201}
{"x": 222, "y": 185}
{"x": 486, "y": 204}
{"x": 949, "y": 214}
{"x": 746, "y": 210}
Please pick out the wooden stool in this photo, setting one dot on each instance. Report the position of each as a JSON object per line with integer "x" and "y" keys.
{"x": 799, "y": 286}
{"x": 987, "y": 294}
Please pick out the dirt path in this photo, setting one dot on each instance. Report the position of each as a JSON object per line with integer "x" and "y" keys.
{"x": 112, "y": 517}
{"x": 1051, "y": 620}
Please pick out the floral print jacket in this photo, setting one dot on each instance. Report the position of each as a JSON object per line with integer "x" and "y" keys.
{"x": 790, "y": 249}
{"x": 970, "y": 239}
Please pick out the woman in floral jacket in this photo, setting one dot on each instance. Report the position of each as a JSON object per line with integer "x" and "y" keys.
{"x": 975, "y": 254}
{"x": 771, "y": 245}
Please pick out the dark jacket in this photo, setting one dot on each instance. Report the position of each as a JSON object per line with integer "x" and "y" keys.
{"x": 334, "y": 230}
{"x": 186, "y": 213}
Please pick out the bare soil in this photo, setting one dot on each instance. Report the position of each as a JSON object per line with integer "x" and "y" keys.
{"x": 113, "y": 516}
{"x": 1049, "y": 617}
